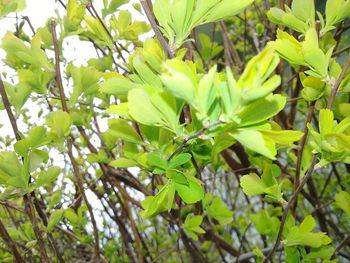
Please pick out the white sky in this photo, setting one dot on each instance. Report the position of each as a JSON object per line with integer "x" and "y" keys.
{"x": 79, "y": 52}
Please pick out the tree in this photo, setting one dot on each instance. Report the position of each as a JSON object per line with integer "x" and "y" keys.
{"x": 222, "y": 135}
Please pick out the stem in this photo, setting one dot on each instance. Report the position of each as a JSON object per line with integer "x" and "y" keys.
{"x": 10, "y": 243}
{"x": 336, "y": 84}
{"x": 288, "y": 207}
{"x": 69, "y": 142}
{"x": 27, "y": 199}
{"x": 155, "y": 28}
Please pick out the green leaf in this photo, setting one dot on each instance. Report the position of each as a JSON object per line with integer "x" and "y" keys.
{"x": 9, "y": 6}
{"x": 166, "y": 105}
{"x": 121, "y": 129}
{"x": 264, "y": 223}
{"x": 54, "y": 219}
{"x": 304, "y": 10}
{"x": 179, "y": 160}
{"x": 85, "y": 81}
{"x": 192, "y": 226}
{"x": 48, "y": 176}
{"x": 252, "y": 184}
{"x": 59, "y": 123}
{"x": 141, "y": 109}
{"x": 9, "y": 166}
{"x": 177, "y": 176}
{"x": 342, "y": 200}
{"x": 261, "y": 110}
{"x": 191, "y": 193}
{"x": 215, "y": 208}
{"x": 255, "y": 141}
{"x": 326, "y": 122}
{"x": 282, "y": 137}
{"x": 36, "y": 159}
{"x": 180, "y": 80}
{"x": 123, "y": 163}
{"x": 72, "y": 217}
{"x": 161, "y": 202}
{"x": 75, "y": 14}
{"x": 302, "y": 235}
{"x": 117, "y": 86}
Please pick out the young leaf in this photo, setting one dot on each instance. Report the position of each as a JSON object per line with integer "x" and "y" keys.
{"x": 192, "y": 226}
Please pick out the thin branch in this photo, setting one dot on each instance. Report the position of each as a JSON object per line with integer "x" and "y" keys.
{"x": 301, "y": 150}
{"x": 230, "y": 46}
{"x": 27, "y": 198}
{"x": 288, "y": 207}
{"x": 345, "y": 241}
{"x": 191, "y": 137}
{"x": 69, "y": 142}
{"x": 155, "y": 28}
{"x": 336, "y": 84}
{"x": 7, "y": 106}
{"x": 10, "y": 243}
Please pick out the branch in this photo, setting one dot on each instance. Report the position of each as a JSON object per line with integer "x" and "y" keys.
{"x": 289, "y": 205}
{"x": 345, "y": 241}
{"x": 10, "y": 243}
{"x": 336, "y": 84}
{"x": 191, "y": 137}
{"x": 301, "y": 150}
{"x": 7, "y": 106}
{"x": 155, "y": 28}
{"x": 27, "y": 199}
{"x": 69, "y": 142}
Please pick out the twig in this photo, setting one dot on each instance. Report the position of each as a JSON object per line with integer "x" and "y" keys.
{"x": 242, "y": 240}
{"x": 27, "y": 199}
{"x": 155, "y": 28}
{"x": 301, "y": 150}
{"x": 345, "y": 241}
{"x": 191, "y": 137}
{"x": 7, "y": 106}
{"x": 336, "y": 84}
{"x": 69, "y": 142}
{"x": 231, "y": 48}
{"x": 289, "y": 205}
{"x": 10, "y": 243}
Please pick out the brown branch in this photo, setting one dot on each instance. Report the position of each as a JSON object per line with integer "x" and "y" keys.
{"x": 300, "y": 153}
{"x": 231, "y": 49}
{"x": 90, "y": 5}
{"x": 336, "y": 84}
{"x": 10, "y": 243}
{"x": 69, "y": 142}
{"x": 27, "y": 199}
{"x": 7, "y": 106}
{"x": 155, "y": 28}
{"x": 343, "y": 243}
{"x": 288, "y": 207}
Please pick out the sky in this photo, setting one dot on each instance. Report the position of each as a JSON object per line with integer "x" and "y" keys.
{"x": 39, "y": 11}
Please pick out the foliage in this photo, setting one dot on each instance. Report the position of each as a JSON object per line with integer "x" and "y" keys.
{"x": 232, "y": 146}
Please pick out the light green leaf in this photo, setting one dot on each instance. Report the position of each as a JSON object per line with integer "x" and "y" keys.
{"x": 123, "y": 163}
{"x": 54, "y": 219}
{"x": 252, "y": 184}
{"x": 192, "y": 226}
{"x": 141, "y": 109}
{"x": 255, "y": 141}
{"x": 342, "y": 200}
{"x": 191, "y": 193}
{"x": 261, "y": 110}
{"x": 179, "y": 160}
